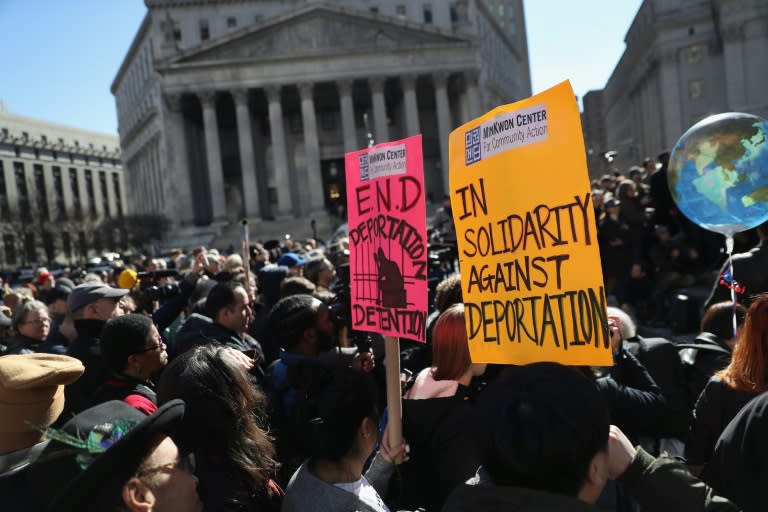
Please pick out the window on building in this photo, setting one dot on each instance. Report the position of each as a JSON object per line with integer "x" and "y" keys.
{"x": 328, "y": 121}
{"x": 37, "y": 154}
{"x": 75, "y": 187}
{"x": 693, "y": 54}
{"x": 294, "y": 123}
{"x": 4, "y": 211}
{"x": 17, "y": 151}
{"x": 104, "y": 193}
{"x": 5, "y": 132}
{"x": 42, "y": 197}
{"x": 22, "y": 191}
{"x": 90, "y": 145}
{"x": 231, "y": 22}
{"x": 30, "y": 248}
{"x": 25, "y": 135}
{"x": 205, "y": 33}
{"x": 428, "y": 14}
{"x": 82, "y": 243}
{"x": 66, "y": 244}
{"x": 58, "y": 190}
{"x": 44, "y": 139}
{"x": 91, "y": 192}
{"x": 176, "y": 32}
{"x": 61, "y": 140}
{"x": 9, "y": 244}
{"x": 77, "y": 144}
{"x": 454, "y": 14}
{"x": 71, "y": 158}
{"x": 374, "y": 10}
{"x": 258, "y": 18}
{"x": 48, "y": 245}
{"x": 118, "y": 201}
{"x": 55, "y": 155}
{"x": 400, "y": 10}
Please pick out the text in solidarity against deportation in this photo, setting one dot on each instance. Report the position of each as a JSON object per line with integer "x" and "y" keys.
{"x": 388, "y": 239}
{"x": 525, "y": 222}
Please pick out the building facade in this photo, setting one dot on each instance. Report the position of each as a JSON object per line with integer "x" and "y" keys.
{"x": 58, "y": 186}
{"x": 246, "y": 108}
{"x": 684, "y": 60}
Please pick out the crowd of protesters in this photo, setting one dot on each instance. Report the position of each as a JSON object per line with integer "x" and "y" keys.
{"x": 231, "y": 384}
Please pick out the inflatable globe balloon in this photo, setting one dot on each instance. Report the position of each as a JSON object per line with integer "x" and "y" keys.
{"x": 718, "y": 173}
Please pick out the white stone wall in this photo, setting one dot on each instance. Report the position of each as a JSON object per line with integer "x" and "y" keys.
{"x": 681, "y": 65}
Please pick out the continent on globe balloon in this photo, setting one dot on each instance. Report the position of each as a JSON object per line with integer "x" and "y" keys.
{"x": 718, "y": 173}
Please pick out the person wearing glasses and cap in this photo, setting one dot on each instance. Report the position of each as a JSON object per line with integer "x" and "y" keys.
{"x": 113, "y": 458}
{"x": 91, "y": 305}
{"x": 133, "y": 352}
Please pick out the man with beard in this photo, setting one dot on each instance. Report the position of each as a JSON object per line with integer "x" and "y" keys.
{"x": 302, "y": 325}
{"x": 226, "y": 320}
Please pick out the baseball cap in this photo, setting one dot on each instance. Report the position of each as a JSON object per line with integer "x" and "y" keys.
{"x": 88, "y": 293}
{"x": 290, "y": 259}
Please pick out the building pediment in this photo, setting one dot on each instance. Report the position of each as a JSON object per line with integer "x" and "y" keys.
{"x": 317, "y": 30}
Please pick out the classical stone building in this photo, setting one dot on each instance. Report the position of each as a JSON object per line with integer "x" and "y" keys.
{"x": 232, "y": 108}
{"x": 684, "y": 60}
{"x": 58, "y": 184}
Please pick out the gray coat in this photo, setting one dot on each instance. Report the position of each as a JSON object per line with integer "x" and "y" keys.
{"x": 306, "y": 492}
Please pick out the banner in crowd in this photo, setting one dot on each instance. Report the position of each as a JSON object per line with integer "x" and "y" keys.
{"x": 525, "y": 224}
{"x": 387, "y": 239}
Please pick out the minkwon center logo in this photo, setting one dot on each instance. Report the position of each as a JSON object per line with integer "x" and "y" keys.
{"x": 506, "y": 131}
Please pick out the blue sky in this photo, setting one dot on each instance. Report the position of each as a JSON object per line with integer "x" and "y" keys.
{"x": 59, "y": 57}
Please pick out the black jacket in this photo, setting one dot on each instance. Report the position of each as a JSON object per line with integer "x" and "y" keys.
{"x": 739, "y": 464}
{"x": 716, "y": 407}
{"x": 86, "y": 348}
{"x": 634, "y": 400}
{"x": 200, "y": 330}
{"x": 702, "y": 363}
{"x": 126, "y": 389}
{"x": 662, "y": 360}
{"x": 658, "y": 485}
{"x": 443, "y": 452}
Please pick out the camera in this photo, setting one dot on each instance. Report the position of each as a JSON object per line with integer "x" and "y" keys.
{"x": 160, "y": 293}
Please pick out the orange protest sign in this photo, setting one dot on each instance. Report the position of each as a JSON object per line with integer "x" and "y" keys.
{"x": 525, "y": 224}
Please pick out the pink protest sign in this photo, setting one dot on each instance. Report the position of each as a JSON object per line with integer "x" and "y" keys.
{"x": 388, "y": 239}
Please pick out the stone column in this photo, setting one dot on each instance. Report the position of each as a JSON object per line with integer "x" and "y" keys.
{"x": 381, "y": 130}
{"x": 443, "y": 122}
{"x": 412, "y": 126}
{"x": 670, "y": 98}
{"x": 311, "y": 148}
{"x": 347, "y": 115}
{"x": 473, "y": 94}
{"x": 279, "y": 153}
{"x": 213, "y": 156}
{"x": 177, "y": 154}
{"x": 247, "y": 160}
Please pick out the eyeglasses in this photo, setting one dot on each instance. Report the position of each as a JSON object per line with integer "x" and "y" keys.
{"x": 150, "y": 349}
{"x": 39, "y": 321}
{"x": 186, "y": 463}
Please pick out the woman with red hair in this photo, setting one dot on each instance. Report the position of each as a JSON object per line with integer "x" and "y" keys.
{"x": 437, "y": 419}
{"x": 731, "y": 388}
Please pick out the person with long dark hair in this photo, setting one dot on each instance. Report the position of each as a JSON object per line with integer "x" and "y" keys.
{"x": 341, "y": 431}
{"x": 223, "y": 428}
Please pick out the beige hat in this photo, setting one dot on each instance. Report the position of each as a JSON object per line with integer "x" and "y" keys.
{"x": 32, "y": 389}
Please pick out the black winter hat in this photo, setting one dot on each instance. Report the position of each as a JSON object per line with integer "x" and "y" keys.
{"x": 128, "y": 435}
